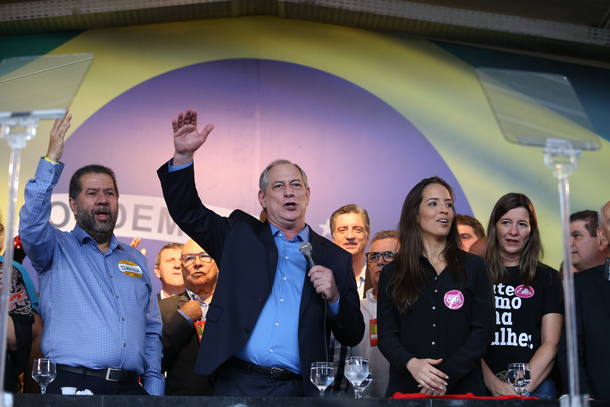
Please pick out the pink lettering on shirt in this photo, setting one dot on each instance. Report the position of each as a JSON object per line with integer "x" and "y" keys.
{"x": 524, "y": 291}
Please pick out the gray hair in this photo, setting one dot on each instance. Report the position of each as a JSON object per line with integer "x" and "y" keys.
{"x": 263, "y": 181}
{"x": 385, "y": 234}
{"x": 600, "y": 214}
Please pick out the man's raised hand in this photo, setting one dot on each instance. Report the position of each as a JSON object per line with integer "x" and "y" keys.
{"x": 57, "y": 138}
{"x": 187, "y": 139}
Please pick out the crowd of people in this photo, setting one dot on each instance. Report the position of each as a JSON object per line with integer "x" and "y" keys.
{"x": 437, "y": 306}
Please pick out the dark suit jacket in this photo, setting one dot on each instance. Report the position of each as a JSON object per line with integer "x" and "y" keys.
{"x": 245, "y": 251}
{"x": 592, "y": 300}
{"x": 180, "y": 347}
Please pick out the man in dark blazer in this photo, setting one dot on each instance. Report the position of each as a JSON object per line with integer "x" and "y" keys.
{"x": 180, "y": 313}
{"x": 588, "y": 251}
{"x": 272, "y": 314}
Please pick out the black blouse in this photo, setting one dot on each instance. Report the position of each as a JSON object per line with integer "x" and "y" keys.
{"x": 452, "y": 319}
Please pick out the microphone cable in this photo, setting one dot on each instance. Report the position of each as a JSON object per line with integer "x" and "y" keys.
{"x": 306, "y": 249}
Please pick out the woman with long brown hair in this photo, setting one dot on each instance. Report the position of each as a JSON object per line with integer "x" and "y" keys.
{"x": 435, "y": 311}
{"x": 528, "y": 299}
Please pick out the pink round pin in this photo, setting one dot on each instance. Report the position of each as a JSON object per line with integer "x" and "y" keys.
{"x": 454, "y": 299}
{"x": 524, "y": 291}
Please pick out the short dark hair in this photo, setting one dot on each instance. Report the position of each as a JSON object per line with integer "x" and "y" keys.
{"x": 473, "y": 223}
{"x": 590, "y": 219}
{"x": 75, "y": 185}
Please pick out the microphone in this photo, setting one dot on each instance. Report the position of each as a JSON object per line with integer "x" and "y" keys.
{"x": 305, "y": 249}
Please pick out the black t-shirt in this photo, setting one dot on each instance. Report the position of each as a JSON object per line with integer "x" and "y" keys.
{"x": 519, "y": 312}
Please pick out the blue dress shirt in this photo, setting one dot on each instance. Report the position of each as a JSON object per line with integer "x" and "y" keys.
{"x": 98, "y": 308}
{"x": 274, "y": 339}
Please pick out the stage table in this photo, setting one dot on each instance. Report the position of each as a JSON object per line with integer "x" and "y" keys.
{"x": 36, "y": 400}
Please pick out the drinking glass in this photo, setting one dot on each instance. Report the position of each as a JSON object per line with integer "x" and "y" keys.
{"x": 356, "y": 371}
{"x": 44, "y": 372}
{"x": 322, "y": 375}
{"x": 519, "y": 376}
{"x": 358, "y": 391}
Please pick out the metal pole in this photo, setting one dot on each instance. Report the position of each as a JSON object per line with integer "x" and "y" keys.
{"x": 16, "y": 132}
{"x": 7, "y": 266}
{"x": 563, "y": 159}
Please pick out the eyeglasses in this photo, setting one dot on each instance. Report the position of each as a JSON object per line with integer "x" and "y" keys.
{"x": 373, "y": 257}
{"x": 189, "y": 258}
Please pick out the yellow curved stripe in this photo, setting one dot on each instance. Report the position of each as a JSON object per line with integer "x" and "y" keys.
{"x": 436, "y": 91}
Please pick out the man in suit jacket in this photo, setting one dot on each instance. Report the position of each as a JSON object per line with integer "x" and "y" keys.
{"x": 588, "y": 251}
{"x": 180, "y": 313}
{"x": 271, "y": 315}
{"x": 168, "y": 269}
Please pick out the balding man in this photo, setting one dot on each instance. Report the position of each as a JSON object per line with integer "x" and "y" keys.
{"x": 184, "y": 317}
{"x": 271, "y": 315}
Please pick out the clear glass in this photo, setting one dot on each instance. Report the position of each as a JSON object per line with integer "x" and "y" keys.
{"x": 44, "y": 372}
{"x": 532, "y": 108}
{"x": 359, "y": 391}
{"x": 322, "y": 375}
{"x": 519, "y": 377}
{"x": 356, "y": 371}
{"x": 22, "y": 78}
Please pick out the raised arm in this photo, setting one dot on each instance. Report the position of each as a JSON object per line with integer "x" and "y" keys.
{"x": 187, "y": 139}
{"x": 36, "y": 233}
{"x": 57, "y": 137}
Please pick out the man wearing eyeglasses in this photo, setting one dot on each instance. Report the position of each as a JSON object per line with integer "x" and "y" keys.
{"x": 382, "y": 251}
{"x": 184, "y": 318}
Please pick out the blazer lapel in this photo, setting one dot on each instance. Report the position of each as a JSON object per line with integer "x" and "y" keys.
{"x": 318, "y": 253}
{"x": 182, "y": 299}
{"x": 271, "y": 250}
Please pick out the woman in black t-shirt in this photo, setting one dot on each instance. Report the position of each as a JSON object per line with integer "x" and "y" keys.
{"x": 435, "y": 309}
{"x": 528, "y": 299}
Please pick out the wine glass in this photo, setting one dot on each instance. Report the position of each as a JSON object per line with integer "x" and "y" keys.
{"x": 365, "y": 383}
{"x": 356, "y": 371}
{"x": 519, "y": 376}
{"x": 322, "y": 375}
{"x": 44, "y": 372}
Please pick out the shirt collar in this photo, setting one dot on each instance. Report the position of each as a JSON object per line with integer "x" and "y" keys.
{"x": 194, "y": 296}
{"x": 369, "y": 295}
{"x": 83, "y": 237}
{"x": 303, "y": 235}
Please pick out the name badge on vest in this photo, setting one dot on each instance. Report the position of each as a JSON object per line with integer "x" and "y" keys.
{"x": 373, "y": 331}
{"x": 130, "y": 268}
